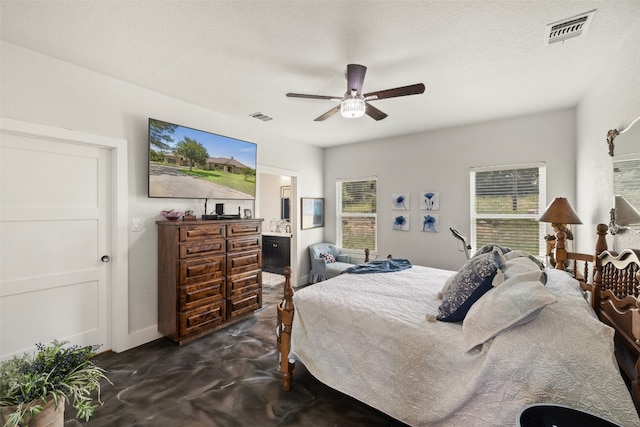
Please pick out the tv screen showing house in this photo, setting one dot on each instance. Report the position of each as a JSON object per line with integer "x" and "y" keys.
{"x": 193, "y": 164}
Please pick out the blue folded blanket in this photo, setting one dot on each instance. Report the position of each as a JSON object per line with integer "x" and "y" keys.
{"x": 380, "y": 266}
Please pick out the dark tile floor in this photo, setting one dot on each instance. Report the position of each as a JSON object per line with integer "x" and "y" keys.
{"x": 229, "y": 378}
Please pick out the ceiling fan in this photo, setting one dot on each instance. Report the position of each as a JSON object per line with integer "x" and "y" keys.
{"x": 356, "y": 104}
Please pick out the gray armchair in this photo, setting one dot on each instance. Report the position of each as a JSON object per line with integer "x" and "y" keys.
{"x": 320, "y": 268}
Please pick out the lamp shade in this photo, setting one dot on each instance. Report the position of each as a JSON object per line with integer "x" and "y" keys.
{"x": 560, "y": 212}
{"x": 352, "y": 107}
{"x": 626, "y": 213}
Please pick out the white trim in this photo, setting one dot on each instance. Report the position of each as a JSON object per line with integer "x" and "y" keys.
{"x": 358, "y": 178}
{"x": 626, "y": 157}
{"x": 120, "y": 338}
{"x": 503, "y": 167}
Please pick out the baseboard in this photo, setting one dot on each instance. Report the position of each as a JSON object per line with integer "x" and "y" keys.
{"x": 302, "y": 281}
{"x": 141, "y": 337}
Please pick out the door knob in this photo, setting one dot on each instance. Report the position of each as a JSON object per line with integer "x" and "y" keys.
{"x": 105, "y": 258}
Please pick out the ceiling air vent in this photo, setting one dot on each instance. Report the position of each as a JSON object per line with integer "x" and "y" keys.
{"x": 261, "y": 116}
{"x": 568, "y": 28}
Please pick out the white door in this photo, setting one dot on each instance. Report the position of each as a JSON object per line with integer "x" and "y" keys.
{"x": 54, "y": 229}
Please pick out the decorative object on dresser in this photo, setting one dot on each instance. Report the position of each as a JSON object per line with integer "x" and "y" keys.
{"x": 172, "y": 215}
{"x": 209, "y": 275}
{"x": 189, "y": 216}
{"x": 559, "y": 213}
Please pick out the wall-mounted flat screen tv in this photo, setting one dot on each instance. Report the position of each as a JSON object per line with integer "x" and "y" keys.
{"x": 188, "y": 163}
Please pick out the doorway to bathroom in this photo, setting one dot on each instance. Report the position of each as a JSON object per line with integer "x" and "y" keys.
{"x": 276, "y": 204}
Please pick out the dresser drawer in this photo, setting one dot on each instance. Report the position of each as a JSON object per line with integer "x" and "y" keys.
{"x": 201, "y": 270}
{"x": 244, "y": 262}
{"x": 237, "y": 244}
{"x": 243, "y": 304}
{"x": 201, "y": 248}
{"x": 244, "y": 228}
{"x": 239, "y": 284}
{"x": 202, "y": 318}
{"x": 195, "y": 232}
{"x": 192, "y": 296}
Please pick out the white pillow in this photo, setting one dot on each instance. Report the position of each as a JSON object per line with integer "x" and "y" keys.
{"x": 515, "y": 266}
{"x": 516, "y": 301}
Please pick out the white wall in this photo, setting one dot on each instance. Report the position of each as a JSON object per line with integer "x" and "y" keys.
{"x": 440, "y": 161}
{"x": 612, "y": 103}
{"x": 39, "y": 89}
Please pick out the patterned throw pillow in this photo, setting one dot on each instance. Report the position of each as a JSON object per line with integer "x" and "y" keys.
{"x": 467, "y": 286}
{"x": 328, "y": 257}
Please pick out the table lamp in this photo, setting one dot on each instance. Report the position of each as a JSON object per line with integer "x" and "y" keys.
{"x": 560, "y": 213}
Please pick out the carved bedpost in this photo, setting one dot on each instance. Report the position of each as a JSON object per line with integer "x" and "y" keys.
{"x": 601, "y": 243}
{"x": 601, "y": 246}
{"x": 286, "y": 311}
{"x": 366, "y": 255}
{"x": 561, "y": 251}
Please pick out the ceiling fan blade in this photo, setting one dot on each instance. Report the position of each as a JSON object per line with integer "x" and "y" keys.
{"x": 301, "y": 95}
{"x": 374, "y": 113}
{"x": 328, "y": 114}
{"x": 355, "y": 78}
{"x": 398, "y": 91}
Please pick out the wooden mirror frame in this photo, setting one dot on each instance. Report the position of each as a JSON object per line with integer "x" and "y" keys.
{"x": 614, "y": 228}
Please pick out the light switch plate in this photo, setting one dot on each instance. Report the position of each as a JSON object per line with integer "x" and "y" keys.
{"x": 136, "y": 224}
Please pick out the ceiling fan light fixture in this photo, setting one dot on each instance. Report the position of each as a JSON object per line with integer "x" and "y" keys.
{"x": 352, "y": 108}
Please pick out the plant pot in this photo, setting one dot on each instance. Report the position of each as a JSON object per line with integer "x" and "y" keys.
{"x": 50, "y": 416}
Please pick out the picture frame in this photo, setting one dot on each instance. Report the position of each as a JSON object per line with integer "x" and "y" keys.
{"x": 401, "y": 201}
{"x": 311, "y": 212}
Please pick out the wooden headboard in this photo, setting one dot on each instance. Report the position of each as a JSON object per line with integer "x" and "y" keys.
{"x": 614, "y": 282}
{"x": 615, "y": 299}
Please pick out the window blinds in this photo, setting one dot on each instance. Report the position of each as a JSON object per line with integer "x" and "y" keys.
{"x": 356, "y": 214}
{"x": 505, "y": 204}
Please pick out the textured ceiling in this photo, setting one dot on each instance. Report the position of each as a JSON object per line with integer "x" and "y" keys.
{"x": 479, "y": 60}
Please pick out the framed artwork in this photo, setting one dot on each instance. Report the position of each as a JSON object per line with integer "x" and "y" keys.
{"x": 312, "y": 212}
{"x": 430, "y": 201}
{"x": 400, "y": 201}
{"x": 430, "y": 222}
{"x": 401, "y": 222}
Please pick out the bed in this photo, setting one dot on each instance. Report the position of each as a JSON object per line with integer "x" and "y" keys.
{"x": 532, "y": 338}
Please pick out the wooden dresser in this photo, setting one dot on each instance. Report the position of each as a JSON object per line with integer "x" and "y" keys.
{"x": 209, "y": 275}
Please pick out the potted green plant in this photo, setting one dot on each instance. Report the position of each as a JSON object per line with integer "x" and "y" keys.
{"x": 33, "y": 386}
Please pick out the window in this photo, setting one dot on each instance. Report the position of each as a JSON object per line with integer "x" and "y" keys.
{"x": 506, "y": 202}
{"x": 356, "y": 214}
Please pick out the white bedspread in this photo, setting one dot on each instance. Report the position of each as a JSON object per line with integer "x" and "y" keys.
{"x": 367, "y": 336}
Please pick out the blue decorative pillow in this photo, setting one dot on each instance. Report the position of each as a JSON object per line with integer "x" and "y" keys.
{"x": 473, "y": 280}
